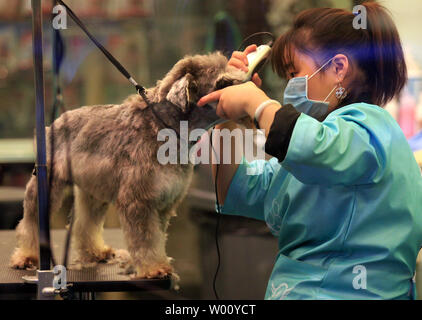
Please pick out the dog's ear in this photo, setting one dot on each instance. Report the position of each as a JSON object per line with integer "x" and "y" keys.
{"x": 183, "y": 92}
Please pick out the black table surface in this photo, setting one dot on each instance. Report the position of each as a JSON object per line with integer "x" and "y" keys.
{"x": 103, "y": 277}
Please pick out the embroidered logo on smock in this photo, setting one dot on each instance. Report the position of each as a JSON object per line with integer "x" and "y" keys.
{"x": 274, "y": 218}
{"x": 280, "y": 292}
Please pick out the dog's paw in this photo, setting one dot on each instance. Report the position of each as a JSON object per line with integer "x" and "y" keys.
{"x": 22, "y": 260}
{"x": 106, "y": 255}
{"x": 153, "y": 271}
{"x": 89, "y": 258}
{"x": 122, "y": 257}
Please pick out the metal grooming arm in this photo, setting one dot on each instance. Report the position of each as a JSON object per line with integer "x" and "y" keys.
{"x": 45, "y": 274}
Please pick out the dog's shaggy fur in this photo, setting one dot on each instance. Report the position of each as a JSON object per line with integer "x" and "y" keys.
{"x": 113, "y": 156}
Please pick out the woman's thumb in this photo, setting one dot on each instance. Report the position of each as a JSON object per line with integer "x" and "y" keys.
{"x": 257, "y": 80}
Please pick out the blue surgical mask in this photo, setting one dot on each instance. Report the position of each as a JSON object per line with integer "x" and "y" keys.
{"x": 296, "y": 94}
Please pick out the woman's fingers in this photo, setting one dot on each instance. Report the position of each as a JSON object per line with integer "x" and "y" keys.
{"x": 238, "y": 64}
{"x": 240, "y": 60}
{"x": 241, "y": 56}
{"x": 213, "y": 96}
{"x": 250, "y": 49}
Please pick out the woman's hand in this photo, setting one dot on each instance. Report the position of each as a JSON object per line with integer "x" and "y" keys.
{"x": 240, "y": 61}
{"x": 240, "y": 100}
{"x": 235, "y": 102}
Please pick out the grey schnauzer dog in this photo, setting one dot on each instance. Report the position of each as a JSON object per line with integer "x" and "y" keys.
{"x": 113, "y": 157}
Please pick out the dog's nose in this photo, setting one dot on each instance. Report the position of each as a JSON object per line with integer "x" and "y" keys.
{"x": 222, "y": 83}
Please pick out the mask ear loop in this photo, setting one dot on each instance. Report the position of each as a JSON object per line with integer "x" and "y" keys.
{"x": 319, "y": 71}
{"x": 330, "y": 94}
{"x": 320, "y": 68}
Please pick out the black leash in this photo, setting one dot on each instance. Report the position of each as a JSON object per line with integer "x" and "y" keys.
{"x": 139, "y": 89}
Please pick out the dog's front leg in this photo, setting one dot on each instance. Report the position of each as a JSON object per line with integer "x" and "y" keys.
{"x": 88, "y": 229}
{"x": 145, "y": 240}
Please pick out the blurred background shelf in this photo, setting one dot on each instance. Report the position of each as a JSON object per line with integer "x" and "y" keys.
{"x": 16, "y": 151}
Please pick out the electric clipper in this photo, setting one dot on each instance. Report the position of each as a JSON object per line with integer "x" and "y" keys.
{"x": 256, "y": 61}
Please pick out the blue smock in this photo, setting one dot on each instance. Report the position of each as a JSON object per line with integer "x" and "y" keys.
{"x": 345, "y": 204}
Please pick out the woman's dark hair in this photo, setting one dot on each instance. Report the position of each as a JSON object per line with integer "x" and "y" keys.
{"x": 375, "y": 53}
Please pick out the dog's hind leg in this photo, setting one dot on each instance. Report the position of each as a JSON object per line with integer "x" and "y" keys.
{"x": 26, "y": 252}
{"x": 145, "y": 240}
{"x": 88, "y": 229}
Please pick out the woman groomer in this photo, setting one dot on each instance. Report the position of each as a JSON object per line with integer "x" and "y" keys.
{"x": 343, "y": 192}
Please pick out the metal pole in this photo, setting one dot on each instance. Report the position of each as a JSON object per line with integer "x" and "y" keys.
{"x": 41, "y": 164}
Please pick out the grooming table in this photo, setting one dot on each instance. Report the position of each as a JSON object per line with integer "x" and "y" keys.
{"x": 102, "y": 278}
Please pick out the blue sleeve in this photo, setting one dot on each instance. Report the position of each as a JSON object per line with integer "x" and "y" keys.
{"x": 248, "y": 188}
{"x": 347, "y": 148}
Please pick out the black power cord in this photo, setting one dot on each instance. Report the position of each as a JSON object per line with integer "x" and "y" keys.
{"x": 218, "y": 220}
{"x": 216, "y": 171}
{"x": 242, "y": 46}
